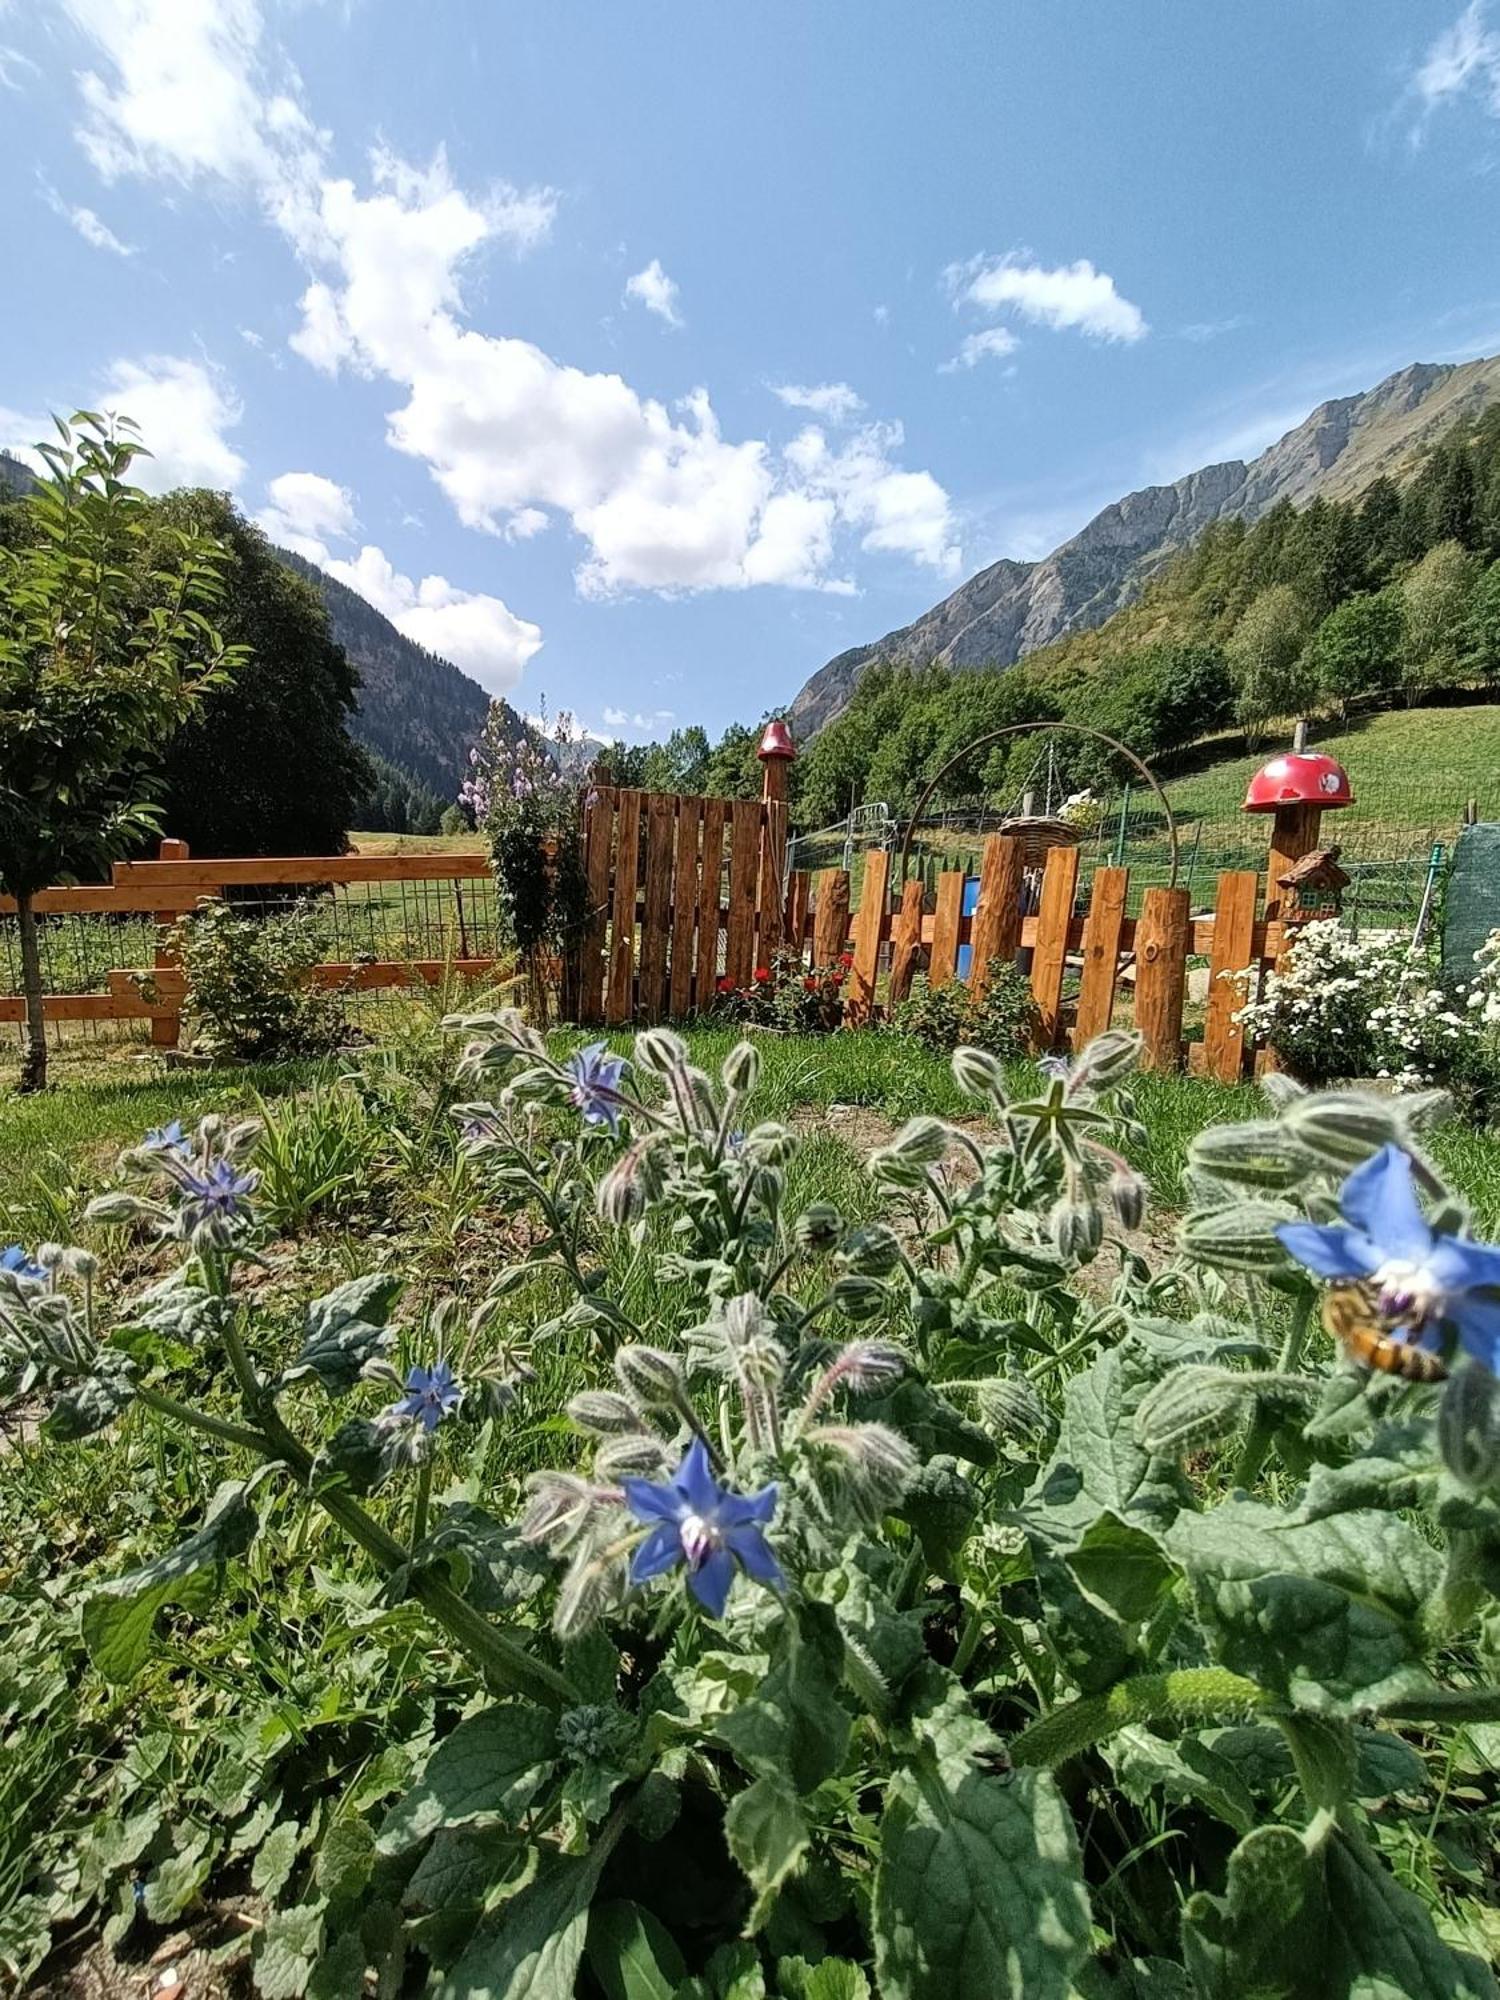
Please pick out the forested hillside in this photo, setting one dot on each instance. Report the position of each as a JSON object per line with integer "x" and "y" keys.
{"x": 1385, "y": 597}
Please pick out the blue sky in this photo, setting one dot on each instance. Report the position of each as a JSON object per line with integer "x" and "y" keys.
{"x": 644, "y": 356}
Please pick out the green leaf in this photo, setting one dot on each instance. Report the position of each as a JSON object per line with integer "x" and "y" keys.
{"x": 1319, "y": 1914}
{"x": 631, "y": 1954}
{"x": 176, "y": 1313}
{"x": 829, "y": 1979}
{"x": 177, "y": 1881}
{"x": 356, "y": 1457}
{"x": 484, "y": 1773}
{"x": 1187, "y": 1772}
{"x": 1122, "y": 1567}
{"x": 796, "y": 1727}
{"x": 344, "y": 1860}
{"x": 289, "y": 1948}
{"x": 119, "y": 1618}
{"x": 1326, "y": 1613}
{"x": 94, "y": 1400}
{"x": 276, "y": 1859}
{"x": 940, "y": 1503}
{"x": 534, "y": 1947}
{"x": 340, "y": 1973}
{"x": 979, "y": 1891}
{"x": 488, "y": 1563}
{"x": 460, "y": 1868}
{"x": 932, "y": 1424}
{"x": 734, "y": 1972}
{"x": 345, "y": 1329}
{"x": 768, "y": 1835}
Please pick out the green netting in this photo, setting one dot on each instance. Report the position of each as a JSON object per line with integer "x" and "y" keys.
{"x": 1471, "y": 907}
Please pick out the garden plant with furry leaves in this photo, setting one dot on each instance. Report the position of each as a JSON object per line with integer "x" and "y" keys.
{"x": 954, "y": 1604}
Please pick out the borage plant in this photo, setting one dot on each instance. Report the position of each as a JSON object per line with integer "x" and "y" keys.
{"x": 924, "y": 1609}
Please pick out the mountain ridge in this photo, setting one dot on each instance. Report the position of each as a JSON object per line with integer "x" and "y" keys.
{"x": 1012, "y": 608}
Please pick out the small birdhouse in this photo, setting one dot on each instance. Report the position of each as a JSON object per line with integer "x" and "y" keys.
{"x": 1312, "y": 887}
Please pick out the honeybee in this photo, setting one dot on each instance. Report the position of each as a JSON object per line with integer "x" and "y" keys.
{"x": 1351, "y": 1313}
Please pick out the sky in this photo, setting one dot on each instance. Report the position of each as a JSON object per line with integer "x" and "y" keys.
{"x": 641, "y": 357}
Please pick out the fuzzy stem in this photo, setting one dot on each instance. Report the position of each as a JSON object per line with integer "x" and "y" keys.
{"x": 1187, "y": 1695}
{"x": 1452, "y": 1706}
{"x": 200, "y": 1420}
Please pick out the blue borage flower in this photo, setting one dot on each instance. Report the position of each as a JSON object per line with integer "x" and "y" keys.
{"x": 595, "y": 1085}
{"x": 220, "y": 1195}
{"x": 698, "y": 1523}
{"x": 431, "y": 1394}
{"x": 167, "y": 1139}
{"x": 1425, "y": 1280}
{"x": 15, "y": 1260}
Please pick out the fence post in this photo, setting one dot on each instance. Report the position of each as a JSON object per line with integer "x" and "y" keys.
{"x": 906, "y": 940}
{"x": 1102, "y": 931}
{"x": 1050, "y": 958}
{"x": 1161, "y": 950}
{"x": 1233, "y": 951}
{"x": 996, "y": 931}
{"x": 830, "y": 917}
{"x": 869, "y": 921}
{"x": 166, "y": 1029}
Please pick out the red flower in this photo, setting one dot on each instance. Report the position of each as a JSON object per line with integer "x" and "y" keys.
{"x": 763, "y": 973}
{"x": 846, "y": 958}
{"x": 724, "y": 984}
{"x": 809, "y": 985}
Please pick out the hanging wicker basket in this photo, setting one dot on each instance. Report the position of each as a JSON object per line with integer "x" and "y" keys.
{"x": 1039, "y": 834}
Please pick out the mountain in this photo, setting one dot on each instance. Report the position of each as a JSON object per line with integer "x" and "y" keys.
{"x": 16, "y": 479}
{"x": 415, "y": 708}
{"x": 1012, "y": 608}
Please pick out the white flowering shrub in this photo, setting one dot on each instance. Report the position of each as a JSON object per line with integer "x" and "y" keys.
{"x": 1340, "y": 1006}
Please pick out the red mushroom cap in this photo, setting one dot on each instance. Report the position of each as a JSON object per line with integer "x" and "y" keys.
{"x": 777, "y": 741}
{"x": 1299, "y": 778}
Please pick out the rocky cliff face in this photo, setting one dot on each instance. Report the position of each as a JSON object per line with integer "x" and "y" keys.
{"x": 1012, "y": 608}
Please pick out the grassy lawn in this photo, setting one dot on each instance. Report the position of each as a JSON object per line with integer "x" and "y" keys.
{"x": 57, "y": 1149}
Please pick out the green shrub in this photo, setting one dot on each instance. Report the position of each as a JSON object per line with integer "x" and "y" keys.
{"x": 248, "y": 997}
{"x": 1002, "y": 1019}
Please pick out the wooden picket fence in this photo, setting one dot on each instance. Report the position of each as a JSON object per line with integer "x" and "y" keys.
{"x": 685, "y": 896}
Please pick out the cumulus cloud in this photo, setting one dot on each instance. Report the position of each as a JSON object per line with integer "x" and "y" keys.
{"x": 992, "y": 343}
{"x": 182, "y": 409}
{"x": 658, "y": 293}
{"x": 513, "y": 437}
{"x": 836, "y": 402}
{"x": 476, "y": 631}
{"x": 306, "y": 512}
{"x": 620, "y": 718}
{"x": 1069, "y": 296}
{"x": 1464, "y": 57}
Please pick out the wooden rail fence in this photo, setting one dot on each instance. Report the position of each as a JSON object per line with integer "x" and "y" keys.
{"x": 685, "y": 895}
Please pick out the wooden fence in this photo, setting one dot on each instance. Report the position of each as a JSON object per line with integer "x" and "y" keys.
{"x": 686, "y": 895}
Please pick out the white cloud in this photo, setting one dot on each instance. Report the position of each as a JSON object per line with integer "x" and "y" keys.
{"x": 662, "y": 500}
{"x": 1464, "y": 55}
{"x": 474, "y": 630}
{"x": 94, "y": 231}
{"x": 653, "y": 289}
{"x": 1203, "y": 330}
{"x": 306, "y": 511}
{"x": 834, "y": 401}
{"x": 882, "y": 315}
{"x": 645, "y": 724}
{"x": 1073, "y": 296}
{"x": 991, "y": 344}
{"x": 181, "y": 408}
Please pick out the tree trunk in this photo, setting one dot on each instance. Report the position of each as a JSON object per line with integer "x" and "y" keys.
{"x": 34, "y": 1063}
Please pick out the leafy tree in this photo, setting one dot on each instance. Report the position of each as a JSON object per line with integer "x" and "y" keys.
{"x": 1356, "y": 651}
{"x": 1163, "y": 697}
{"x": 95, "y": 673}
{"x": 1265, "y": 659}
{"x": 398, "y": 802}
{"x": 1480, "y": 658}
{"x": 1435, "y": 600}
{"x": 265, "y": 765}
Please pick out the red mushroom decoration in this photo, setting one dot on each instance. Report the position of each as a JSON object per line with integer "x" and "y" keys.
{"x": 1299, "y": 786}
{"x": 776, "y": 742}
{"x": 1298, "y": 778}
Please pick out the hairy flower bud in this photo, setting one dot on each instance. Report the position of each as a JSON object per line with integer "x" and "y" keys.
{"x": 1077, "y": 1226}
{"x": 649, "y": 1375}
{"x": 1009, "y": 1404}
{"x": 604, "y": 1411}
{"x": 119, "y": 1209}
{"x": 769, "y": 1145}
{"x": 1345, "y": 1127}
{"x": 859, "y": 1298}
{"x": 82, "y": 1264}
{"x": 1469, "y": 1426}
{"x": 873, "y": 1251}
{"x": 979, "y": 1074}
{"x": 820, "y": 1226}
{"x": 1241, "y": 1238}
{"x": 660, "y": 1051}
{"x": 1127, "y": 1193}
{"x": 1189, "y": 1407}
{"x": 1260, "y": 1154}
{"x": 559, "y": 1508}
{"x": 51, "y": 1256}
{"x": 635, "y": 1180}
{"x": 631, "y": 1455}
{"x": 1108, "y": 1059}
{"x": 242, "y": 1138}
{"x": 921, "y": 1141}
{"x": 741, "y": 1071}
{"x": 881, "y": 1458}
